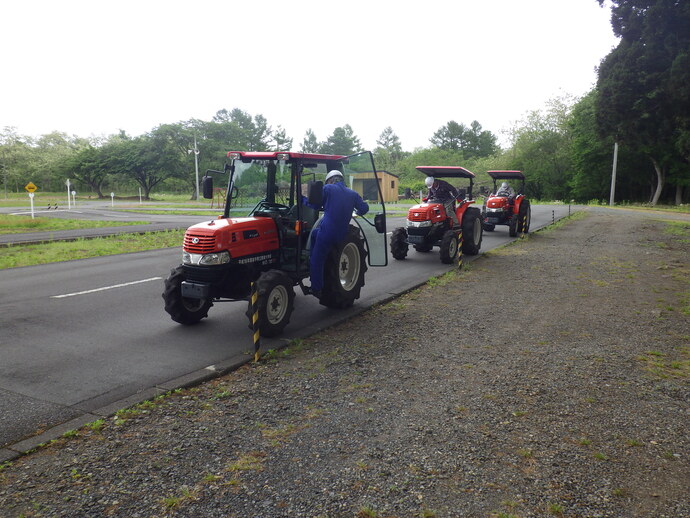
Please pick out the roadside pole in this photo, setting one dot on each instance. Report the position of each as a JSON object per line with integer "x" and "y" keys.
{"x": 112, "y": 199}
{"x": 30, "y": 188}
{"x": 69, "y": 196}
{"x": 613, "y": 174}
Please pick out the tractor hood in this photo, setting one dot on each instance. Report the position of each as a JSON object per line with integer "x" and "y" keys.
{"x": 497, "y": 202}
{"x": 426, "y": 212}
{"x": 240, "y": 236}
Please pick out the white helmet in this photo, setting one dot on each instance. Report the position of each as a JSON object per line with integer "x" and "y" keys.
{"x": 429, "y": 181}
{"x": 333, "y": 173}
{"x": 504, "y": 185}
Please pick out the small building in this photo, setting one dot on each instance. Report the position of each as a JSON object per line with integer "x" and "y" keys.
{"x": 365, "y": 185}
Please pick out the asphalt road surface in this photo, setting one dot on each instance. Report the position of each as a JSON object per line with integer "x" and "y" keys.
{"x": 82, "y": 339}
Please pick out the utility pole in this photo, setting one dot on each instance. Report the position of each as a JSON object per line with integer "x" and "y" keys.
{"x": 613, "y": 173}
{"x": 196, "y": 167}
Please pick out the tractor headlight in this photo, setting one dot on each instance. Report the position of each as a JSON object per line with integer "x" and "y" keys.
{"x": 206, "y": 259}
{"x": 417, "y": 224}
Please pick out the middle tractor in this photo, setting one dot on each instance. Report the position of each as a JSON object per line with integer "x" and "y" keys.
{"x": 428, "y": 224}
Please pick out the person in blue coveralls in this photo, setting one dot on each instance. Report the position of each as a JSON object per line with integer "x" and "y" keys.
{"x": 338, "y": 203}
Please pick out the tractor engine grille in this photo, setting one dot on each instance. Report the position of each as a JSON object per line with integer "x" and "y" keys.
{"x": 199, "y": 243}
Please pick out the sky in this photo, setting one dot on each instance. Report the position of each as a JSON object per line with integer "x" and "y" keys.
{"x": 94, "y": 67}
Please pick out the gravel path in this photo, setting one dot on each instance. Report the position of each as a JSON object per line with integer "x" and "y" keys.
{"x": 549, "y": 378}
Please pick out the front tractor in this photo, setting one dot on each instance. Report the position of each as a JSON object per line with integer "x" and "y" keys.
{"x": 507, "y": 206}
{"x": 262, "y": 239}
{"x": 428, "y": 224}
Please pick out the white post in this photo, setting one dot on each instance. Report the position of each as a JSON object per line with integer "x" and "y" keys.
{"x": 69, "y": 198}
{"x": 613, "y": 174}
{"x": 31, "y": 197}
{"x": 139, "y": 195}
{"x": 196, "y": 167}
{"x": 74, "y": 198}
{"x": 112, "y": 199}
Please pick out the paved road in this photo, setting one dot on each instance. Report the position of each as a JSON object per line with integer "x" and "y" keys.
{"x": 82, "y": 339}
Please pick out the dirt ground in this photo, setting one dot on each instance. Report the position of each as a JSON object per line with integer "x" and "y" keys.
{"x": 548, "y": 378}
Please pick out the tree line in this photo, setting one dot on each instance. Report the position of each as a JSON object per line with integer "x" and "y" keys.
{"x": 641, "y": 102}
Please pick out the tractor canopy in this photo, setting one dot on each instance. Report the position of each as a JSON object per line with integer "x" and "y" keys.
{"x": 445, "y": 171}
{"x": 506, "y": 175}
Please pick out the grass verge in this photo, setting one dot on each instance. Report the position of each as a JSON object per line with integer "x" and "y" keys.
{"x": 10, "y": 224}
{"x": 28, "y": 255}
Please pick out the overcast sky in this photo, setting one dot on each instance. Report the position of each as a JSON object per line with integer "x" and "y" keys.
{"x": 93, "y": 67}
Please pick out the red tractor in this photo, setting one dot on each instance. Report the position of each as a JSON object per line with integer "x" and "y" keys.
{"x": 429, "y": 225}
{"x": 505, "y": 206}
{"x": 262, "y": 237}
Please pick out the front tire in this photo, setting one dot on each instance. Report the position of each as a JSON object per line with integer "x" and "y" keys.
{"x": 449, "y": 247}
{"x": 399, "y": 246}
{"x": 343, "y": 273}
{"x": 472, "y": 231}
{"x": 275, "y": 303}
{"x": 489, "y": 227}
{"x": 513, "y": 225}
{"x": 186, "y": 311}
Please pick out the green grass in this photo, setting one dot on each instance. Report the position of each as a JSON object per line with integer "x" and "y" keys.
{"x": 27, "y": 255}
{"x": 10, "y": 224}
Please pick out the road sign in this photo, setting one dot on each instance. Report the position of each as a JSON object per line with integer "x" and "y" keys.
{"x": 30, "y": 187}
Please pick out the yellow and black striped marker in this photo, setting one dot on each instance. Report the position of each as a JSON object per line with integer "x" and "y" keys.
{"x": 255, "y": 321}
{"x": 460, "y": 250}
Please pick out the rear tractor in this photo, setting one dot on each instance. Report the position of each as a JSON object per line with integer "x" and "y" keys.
{"x": 507, "y": 207}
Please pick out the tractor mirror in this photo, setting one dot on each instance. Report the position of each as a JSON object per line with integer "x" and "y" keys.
{"x": 380, "y": 223}
{"x": 315, "y": 193}
{"x": 207, "y": 187}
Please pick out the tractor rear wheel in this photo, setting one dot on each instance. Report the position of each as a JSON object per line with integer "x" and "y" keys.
{"x": 275, "y": 303}
{"x": 472, "y": 231}
{"x": 399, "y": 244}
{"x": 183, "y": 310}
{"x": 343, "y": 272}
{"x": 449, "y": 247}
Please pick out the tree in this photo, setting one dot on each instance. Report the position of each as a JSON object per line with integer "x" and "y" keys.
{"x": 310, "y": 144}
{"x": 281, "y": 141}
{"x": 472, "y": 141}
{"x": 450, "y": 137}
{"x": 389, "y": 150}
{"x": 342, "y": 142}
{"x": 643, "y": 82}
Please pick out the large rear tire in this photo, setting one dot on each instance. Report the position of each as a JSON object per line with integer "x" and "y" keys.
{"x": 399, "y": 246}
{"x": 343, "y": 272}
{"x": 449, "y": 247}
{"x": 183, "y": 310}
{"x": 472, "y": 231}
{"x": 275, "y": 303}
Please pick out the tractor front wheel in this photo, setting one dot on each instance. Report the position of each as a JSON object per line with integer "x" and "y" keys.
{"x": 472, "y": 231}
{"x": 183, "y": 310}
{"x": 489, "y": 227}
{"x": 276, "y": 300}
{"x": 449, "y": 247}
{"x": 343, "y": 272}
{"x": 399, "y": 246}
{"x": 513, "y": 225}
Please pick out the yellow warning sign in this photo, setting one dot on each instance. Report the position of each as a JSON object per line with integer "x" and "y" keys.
{"x": 30, "y": 187}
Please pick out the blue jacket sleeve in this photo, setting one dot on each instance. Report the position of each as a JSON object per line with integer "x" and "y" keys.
{"x": 361, "y": 206}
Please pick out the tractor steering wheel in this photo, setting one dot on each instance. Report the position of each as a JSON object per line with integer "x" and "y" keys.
{"x": 269, "y": 205}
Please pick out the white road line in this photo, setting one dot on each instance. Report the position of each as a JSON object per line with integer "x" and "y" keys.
{"x": 105, "y": 288}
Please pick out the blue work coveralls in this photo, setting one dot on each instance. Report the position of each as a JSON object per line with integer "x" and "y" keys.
{"x": 338, "y": 203}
